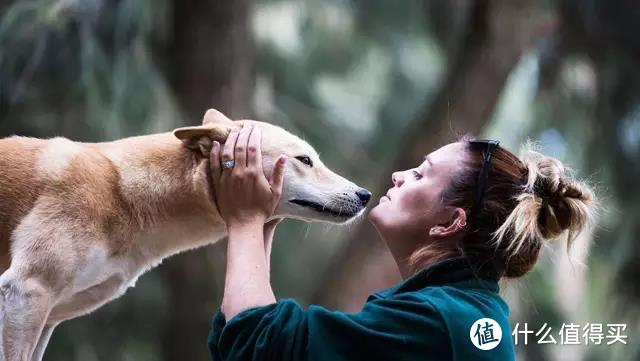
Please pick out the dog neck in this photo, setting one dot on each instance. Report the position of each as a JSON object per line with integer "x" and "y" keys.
{"x": 167, "y": 189}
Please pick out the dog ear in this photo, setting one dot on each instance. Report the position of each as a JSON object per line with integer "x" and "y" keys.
{"x": 201, "y": 138}
{"x": 213, "y": 116}
{"x": 215, "y": 126}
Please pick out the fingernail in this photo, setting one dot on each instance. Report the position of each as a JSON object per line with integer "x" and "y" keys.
{"x": 216, "y": 144}
{"x": 283, "y": 160}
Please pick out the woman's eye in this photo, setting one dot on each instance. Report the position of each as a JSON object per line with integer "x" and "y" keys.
{"x": 306, "y": 160}
{"x": 416, "y": 174}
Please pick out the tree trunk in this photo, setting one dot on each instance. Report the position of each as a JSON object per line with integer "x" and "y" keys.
{"x": 212, "y": 53}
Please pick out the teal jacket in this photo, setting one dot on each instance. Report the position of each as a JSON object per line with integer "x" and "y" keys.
{"x": 428, "y": 316}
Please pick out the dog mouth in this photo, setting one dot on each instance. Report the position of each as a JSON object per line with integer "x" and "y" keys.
{"x": 324, "y": 209}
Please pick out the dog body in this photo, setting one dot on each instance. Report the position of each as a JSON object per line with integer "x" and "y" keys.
{"x": 80, "y": 222}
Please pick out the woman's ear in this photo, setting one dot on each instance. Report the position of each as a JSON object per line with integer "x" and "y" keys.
{"x": 453, "y": 226}
{"x": 215, "y": 126}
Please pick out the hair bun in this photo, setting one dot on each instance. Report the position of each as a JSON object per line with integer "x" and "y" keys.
{"x": 565, "y": 203}
{"x": 551, "y": 203}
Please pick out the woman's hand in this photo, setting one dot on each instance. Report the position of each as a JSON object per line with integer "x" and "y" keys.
{"x": 243, "y": 194}
{"x": 246, "y": 199}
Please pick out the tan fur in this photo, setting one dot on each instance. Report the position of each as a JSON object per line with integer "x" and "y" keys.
{"x": 17, "y": 160}
{"x": 80, "y": 222}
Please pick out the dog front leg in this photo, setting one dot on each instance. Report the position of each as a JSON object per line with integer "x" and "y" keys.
{"x": 25, "y": 304}
{"x": 45, "y": 336}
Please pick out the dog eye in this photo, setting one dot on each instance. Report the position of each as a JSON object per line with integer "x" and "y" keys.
{"x": 306, "y": 160}
{"x": 416, "y": 175}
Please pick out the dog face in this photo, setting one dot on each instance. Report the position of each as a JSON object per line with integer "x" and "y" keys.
{"x": 311, "y": 190}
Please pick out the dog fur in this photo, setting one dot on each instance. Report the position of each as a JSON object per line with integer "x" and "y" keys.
{"x": 80, "y": 222}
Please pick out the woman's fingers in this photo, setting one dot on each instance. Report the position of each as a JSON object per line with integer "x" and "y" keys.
{"x": 229, "y": 145}
{"x": 254, "y": 153}
{"x": 277, "y": 177}
{"x": 240, "y": 152}
{"x": 214, "y": 159}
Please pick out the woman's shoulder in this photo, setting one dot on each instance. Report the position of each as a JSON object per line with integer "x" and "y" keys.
{"x": 470, "y": 301}
{"x": 457, "y": 309}
{"x": 465, "y": 301}
{"x": 459, "y": 304}
{"x": 463, "y": 308}
{"x": 469, "y": 296}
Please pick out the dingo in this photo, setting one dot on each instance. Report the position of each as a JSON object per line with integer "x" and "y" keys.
{"x": 80, "y": 222}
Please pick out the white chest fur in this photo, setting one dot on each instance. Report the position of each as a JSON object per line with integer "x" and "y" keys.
{"x": 104, "y": 277}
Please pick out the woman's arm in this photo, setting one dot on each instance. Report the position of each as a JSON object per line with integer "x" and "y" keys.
{"x": 245, "y": 199}
{"x": 400, "y": 328}
{"x": 247, "y": 278}
{"x": 269, "y": 231}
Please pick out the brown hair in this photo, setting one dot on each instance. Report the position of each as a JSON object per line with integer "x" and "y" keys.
{"x": 527, "y": 201}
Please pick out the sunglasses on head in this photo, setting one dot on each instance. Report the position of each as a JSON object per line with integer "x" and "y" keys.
{"x": 488, "y": 147}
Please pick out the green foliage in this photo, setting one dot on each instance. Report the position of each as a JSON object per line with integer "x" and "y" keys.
{"x": 88, "y": 63}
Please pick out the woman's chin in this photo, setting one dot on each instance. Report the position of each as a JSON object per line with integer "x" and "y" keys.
{"x": 379, "y": 217}
{"x": 376, "y": 212}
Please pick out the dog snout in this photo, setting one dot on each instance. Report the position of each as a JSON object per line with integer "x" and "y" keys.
{"x": 364, "y": 196}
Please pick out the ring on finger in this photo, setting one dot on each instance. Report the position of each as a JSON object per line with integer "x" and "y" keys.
{"x": 228, "y": 164}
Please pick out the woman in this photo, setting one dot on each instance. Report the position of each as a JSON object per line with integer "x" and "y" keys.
{"x": 470, "y": 214}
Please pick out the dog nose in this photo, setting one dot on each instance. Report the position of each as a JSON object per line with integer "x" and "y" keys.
{"x": 364, "y": 195}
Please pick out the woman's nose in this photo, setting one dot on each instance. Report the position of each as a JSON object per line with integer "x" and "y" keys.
{"x": 397, "y": 179}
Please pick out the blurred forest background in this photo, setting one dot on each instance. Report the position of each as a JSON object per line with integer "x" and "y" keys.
{"x": 373, "y": 85}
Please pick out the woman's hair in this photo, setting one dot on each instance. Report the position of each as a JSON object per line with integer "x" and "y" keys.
{"x": 527, "y": 201}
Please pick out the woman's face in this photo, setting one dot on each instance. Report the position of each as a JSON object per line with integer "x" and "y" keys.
{"x": 413, "y": 205}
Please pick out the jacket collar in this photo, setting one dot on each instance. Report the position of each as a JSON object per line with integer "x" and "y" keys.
{"x": 456, "y": 270}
